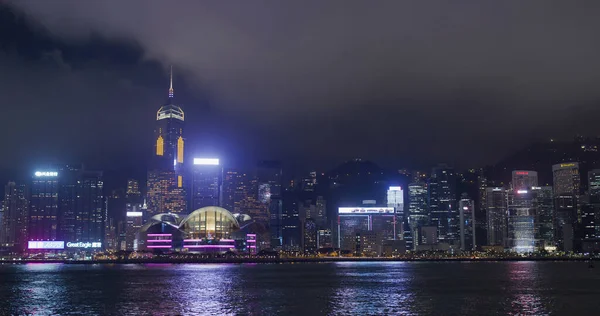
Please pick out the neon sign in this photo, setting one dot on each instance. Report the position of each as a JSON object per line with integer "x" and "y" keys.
{"x": 46, "y": 244}
{"x": 522, "y": 172}
{"x": 46, "y": 174}
{"x": 80, "y": 244}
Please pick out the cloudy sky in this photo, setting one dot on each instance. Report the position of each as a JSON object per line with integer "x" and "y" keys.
{"x": 404, "y": 83}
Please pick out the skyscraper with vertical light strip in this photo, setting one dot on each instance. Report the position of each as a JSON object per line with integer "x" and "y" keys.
{"x": 166, "y": 191}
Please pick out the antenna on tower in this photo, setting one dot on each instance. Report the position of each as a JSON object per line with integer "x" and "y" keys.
{"x": 171, "y": 83}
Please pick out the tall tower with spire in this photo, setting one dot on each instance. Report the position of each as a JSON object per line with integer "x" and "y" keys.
{"x": 165, "y": 177}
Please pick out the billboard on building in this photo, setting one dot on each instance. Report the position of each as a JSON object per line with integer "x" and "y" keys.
{"x": 366, "y": 210}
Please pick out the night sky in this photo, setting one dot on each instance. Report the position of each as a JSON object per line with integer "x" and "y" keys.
{"x": 312, "y": 83}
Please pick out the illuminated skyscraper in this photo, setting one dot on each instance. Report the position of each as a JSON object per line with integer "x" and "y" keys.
{"x": 13, "y": 234}
{"x": 522, "y": 221}
{"x": 168, "y": 135}
{"x": 81, "y": 205}
{"x": 395, "y": 199}
{"x": 566, "y": 202}
{"x": 417, "y": 204}
{"x": 206, "y": 179}
{"x": 467, "y": 223}
{"x": 545, "y": 215}
{"x": 165, "y": 189}
{"x": 524, "y": 179}
{"x": 269, "y": 193}
{"x": 443, "y": 211}
{"x": 133, "y": 191}
{"x": 43, "y": 207}
{"x": 496, "y": 216}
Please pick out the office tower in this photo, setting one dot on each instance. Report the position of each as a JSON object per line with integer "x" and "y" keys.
{"x": 496, "y": 216}
{"x": 321, "y": 211}
{"x": 443, "y": 211}
{"x": 269, "y": 189}
{"x": 165, "y": 189}
{"x": 417, "y": 204}
{"x": 589, "y": 223}
{"x": 466, "y": 208}
{"x": 524, "y": 179}
{"x": 14, "y": 221}
{"x": 566, "y": 202}
{"x": 395, "y": 199}
{"x": 43, "y": 207}
{"x": 309, "y": 182}
{"x": 594, "y": 186}
{"x": 480, "y": 210}
{"x": 291, "y": 230}
{"x": 310, "y": 236}
{"x": 206, "y": 182}
{"x": 168, "y": 134}
{"x": 110, "y": 234}
{"x": 545, "y": 215}
{"x": 165, "y": 193}
{"x": 133, "y": 221}
{"x": 133, "y": 193}
{"x": 375, "y": 224}
{"x": 324, "y": 238}
{"x": 521, "y": 223}
{"x": 81, "y": 205}
{"x": 228, "y": 190}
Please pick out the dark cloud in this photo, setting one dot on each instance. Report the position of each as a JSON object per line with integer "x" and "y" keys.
{"x": 313, "y": 82}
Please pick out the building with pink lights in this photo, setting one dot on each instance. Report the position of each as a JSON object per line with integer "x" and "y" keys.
{"x": 209, "y": 229}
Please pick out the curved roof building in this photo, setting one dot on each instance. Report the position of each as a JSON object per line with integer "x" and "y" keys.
{"x": 208, "y": 229}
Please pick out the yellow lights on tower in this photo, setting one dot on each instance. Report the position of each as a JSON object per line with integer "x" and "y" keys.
{"x": 160, "y": 146}
{"x": 179, "y": 181}
{"x": 180, "y": 150}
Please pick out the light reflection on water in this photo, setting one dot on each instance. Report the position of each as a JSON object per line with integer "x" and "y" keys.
{"x": 398, "y": 288}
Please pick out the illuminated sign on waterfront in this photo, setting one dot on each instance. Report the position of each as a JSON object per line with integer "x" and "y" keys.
{"x": 46, "y": 174}
{"x": 365, "y": 210}
{"x": 84, "y": 244}
{"x": 206, "y": 161}
{"x": 46, "y": 245}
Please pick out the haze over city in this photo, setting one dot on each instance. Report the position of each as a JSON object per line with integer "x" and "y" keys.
{"x": 311, "y": 84}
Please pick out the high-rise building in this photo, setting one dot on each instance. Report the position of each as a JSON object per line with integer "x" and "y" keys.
{"x": 324, "y": 238}
{"x": 134, "y": 220}
{"x": 496, "y": 216}
{"x": 467, "y": 223}
{"x": 545, "y": 215}
{"x": 134, "y": 195}
{"x": 480, "y": 215}
{"x": 522, "y": 225}
{"x": 417, "y": 204}
{"x": 165, "y": 193}
{"x": 594, "y": 186}
{"x": 524, "y": 179}
{"x": 13, "y": 234}
{"x": 165, "y": 188}
{"x": 443, "y": 211}
{"x": 357, "y": 225}
{"x": 168, "y": 135}
{"x": 395, "y": 199}
{"x": 81, "y": 205}
{"x": 228, "y": 190}
{"x": 269, "y": 190}
{"x": 310, "y": 236}
{"x": 206, "y": 183}
{"x": 566, "y": 203}
{"x": 43, "y": 207}
{"x": 292, "y": 230}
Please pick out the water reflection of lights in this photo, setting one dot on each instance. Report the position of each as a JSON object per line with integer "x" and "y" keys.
{"x": 523, "y": 287}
